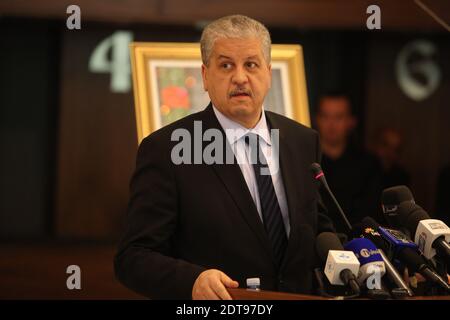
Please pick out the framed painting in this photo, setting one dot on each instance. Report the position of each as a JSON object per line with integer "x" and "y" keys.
{"x": 167, "y": 83}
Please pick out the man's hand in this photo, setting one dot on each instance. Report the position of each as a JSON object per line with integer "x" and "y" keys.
{"x": 211, "y": 285}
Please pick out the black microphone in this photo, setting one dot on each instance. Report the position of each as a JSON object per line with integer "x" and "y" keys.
{"x": 405, "y": 253}
{"x": 430, "y": 234}
{"x": 391, "y": 198}
{"x": 337, "y": 269}
{"x": 325, "y": 242}
{"x": 320, "y": 176}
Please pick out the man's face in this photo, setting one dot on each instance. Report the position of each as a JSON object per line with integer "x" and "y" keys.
{"x": 334, "y": 119}
{"x": 389, "y": 147}
{"x": 237, "y": 79}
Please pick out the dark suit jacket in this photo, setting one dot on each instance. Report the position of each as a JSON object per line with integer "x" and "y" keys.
{"x": 184, "y": 219}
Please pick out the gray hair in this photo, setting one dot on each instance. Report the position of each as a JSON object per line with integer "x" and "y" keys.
{"x": 234, "y": 26}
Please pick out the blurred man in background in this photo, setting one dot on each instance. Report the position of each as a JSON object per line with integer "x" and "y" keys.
{"x": 387, "y": 147}
{"x": 353, "y": 174}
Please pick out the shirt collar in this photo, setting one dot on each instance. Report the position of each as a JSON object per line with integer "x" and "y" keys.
{"x": 235, "y": 131}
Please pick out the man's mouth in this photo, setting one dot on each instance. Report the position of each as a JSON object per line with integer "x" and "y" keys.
{"x": 239, "y": 94}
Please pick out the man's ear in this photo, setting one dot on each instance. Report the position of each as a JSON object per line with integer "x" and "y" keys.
{"x": 270, "y": 75}
{"x": 205, "y": 81}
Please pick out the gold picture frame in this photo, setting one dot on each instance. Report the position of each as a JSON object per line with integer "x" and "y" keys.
{"x": 167, "y": 81}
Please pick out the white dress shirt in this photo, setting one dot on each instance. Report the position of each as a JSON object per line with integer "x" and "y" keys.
{"x": 234, "y": 133}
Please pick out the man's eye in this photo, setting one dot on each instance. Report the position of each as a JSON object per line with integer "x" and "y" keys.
{"x": 251, "y": 65}
{"x": 226, "y": 65}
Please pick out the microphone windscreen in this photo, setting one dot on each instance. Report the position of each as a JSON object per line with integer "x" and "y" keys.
{"x": 369, "y": 230}
{"x": 369, "y": 222}
{"x": 410, "y": 214}
{"x": 325, "y": 242}
{"x": 316, "y": 168}
{"x": 364, "y": 249}
{"x": 393, "y": 196}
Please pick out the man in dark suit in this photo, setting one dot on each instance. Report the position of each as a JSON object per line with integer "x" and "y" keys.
{"x": 196, "y": 228}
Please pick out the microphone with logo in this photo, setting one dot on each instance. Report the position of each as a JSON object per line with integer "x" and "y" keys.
{"x": 372, "y": 267}
{"x": 407, "y": 252}
{"x": 391, "y": 198}
{"x": 341, "y": 267}
{"x": 400, "y": 288}
{"x": 431, "y": 235}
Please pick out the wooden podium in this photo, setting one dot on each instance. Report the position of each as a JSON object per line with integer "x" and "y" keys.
{"x": 245, "y": 294}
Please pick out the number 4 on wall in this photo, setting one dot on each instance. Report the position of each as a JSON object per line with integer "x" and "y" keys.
{"x": 119, "y": 63}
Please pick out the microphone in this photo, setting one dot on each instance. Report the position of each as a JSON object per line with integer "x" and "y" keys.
{"x": 369, "y": 258}
{"x": 391, "y": 198}
{"x": 320, "y": 176}
{"x": 341, "y": 267}
{"x": 372, "y": 267}
{"x": 432, "y": 236}
{"x": 406, "y": 251}
{"x": 402, "y": 289}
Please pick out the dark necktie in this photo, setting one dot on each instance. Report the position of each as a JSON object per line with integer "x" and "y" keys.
{"x": 271, "y": 212}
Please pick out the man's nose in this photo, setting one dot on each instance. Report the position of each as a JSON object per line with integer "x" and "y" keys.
{"x": 239, "y": 76}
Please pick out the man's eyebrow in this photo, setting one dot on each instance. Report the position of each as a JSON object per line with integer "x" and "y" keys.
{"x": 256, "y": 57}
{"x": 224, "y": 57}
